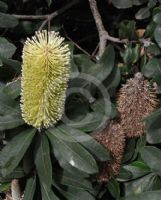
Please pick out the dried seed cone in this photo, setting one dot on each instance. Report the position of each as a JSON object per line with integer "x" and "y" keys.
{"x": 45, "y": 74}
{"x": 113, "y": 139}
{"x": 136, "y": 100}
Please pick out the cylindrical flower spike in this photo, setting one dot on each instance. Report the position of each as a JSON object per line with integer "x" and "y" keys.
{"x": 45, "y": 75}
{"x": 113, "y": 139}
{"x": 136, "y": 100}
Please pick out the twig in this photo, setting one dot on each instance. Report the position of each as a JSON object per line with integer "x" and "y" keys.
{"x": 80, "y": 48}
{"x": 47, "y": 17}
{"x": 103, "y": 34}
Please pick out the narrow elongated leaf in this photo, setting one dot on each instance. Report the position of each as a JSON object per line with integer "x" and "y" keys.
{"x": 13, "y": 152}
{"x": 72, "y": 152}
{"x": 152, "y": 157}
{"x": 47, "y": 195}
{"x": 10, "y": 121}
{"x": 69, "y": 179}
{"x": 74, "y": 194}
{"x": 43, "y": 162}
{"x": 30, "y": 188}
{"x": 87, "y": 141}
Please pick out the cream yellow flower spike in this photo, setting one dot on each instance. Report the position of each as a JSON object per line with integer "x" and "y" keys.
{"x": 45, "y": 74}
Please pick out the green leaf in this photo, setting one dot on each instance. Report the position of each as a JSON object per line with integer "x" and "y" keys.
{"x": 143, "y": 184}
{"x": 47, "y": 195}
{"x": 122, "y": 4}
{"x": 13, "y": 64}
{"x": 87, "y": 141}
{"x": 104, "y": 66}
{"x": 7, "y": 49}
{"x": 152, "y": 157}
{"x": 157, "y": 33}
{"x": 3, "y": 6}
{"x": 143, "y": 13}
{"x": 153, "y": 127}
{"x": 114, "y": 188}
{"x": 10, "y": 121}
{"x": 13, "y": 89}
{"x": 8, "y": 21}
{"x": 4, "y": 187}
{"x": 74, "y": 181}
{"x": 138, "y": 169}
{"x": 157, "y": 17}
{"x": 30, "y": 188}
{"x": 74, "y": 194}
{"x": 155, "y": 195}
{"x": 139, "y": 2}
{"x": 152, "y": 68}
{"x": 12, "y": 153}
{"x": 71, "y": 151}
{"x": 43, "y": 162}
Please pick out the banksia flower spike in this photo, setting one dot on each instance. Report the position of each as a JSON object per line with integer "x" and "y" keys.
{"x": 113, "y": 139}
{"x": 136, "y": 100}
{"x": 45, "y": 74}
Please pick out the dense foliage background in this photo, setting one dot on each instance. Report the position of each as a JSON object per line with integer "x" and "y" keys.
{"x": 62, "y": 162}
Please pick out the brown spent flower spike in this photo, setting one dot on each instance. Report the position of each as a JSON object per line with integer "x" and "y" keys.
{"x": 136, "y": 100}
{"x": 113, "y": 139}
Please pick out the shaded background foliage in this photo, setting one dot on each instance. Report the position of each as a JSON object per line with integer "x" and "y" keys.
{"x": 137, "y": 21}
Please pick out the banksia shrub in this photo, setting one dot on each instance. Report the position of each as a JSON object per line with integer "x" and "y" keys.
{"x": 136, "y": 100}
{"x": 45, "y": 74}
{"x": 113, "y": 139}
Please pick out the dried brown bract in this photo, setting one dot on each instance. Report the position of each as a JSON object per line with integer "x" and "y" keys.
{"x": 136, "y": 100}
{"x": 113, "y": 139}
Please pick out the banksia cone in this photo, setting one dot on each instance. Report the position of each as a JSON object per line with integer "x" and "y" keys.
{"x": 113, "y": 139}
{"x": 136, "y": 100}
{"x": 45, "y": 74}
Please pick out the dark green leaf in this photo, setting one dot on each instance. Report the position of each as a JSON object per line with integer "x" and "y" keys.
{"x": 43, "y": 162}
{"x": 157, "y": 18}
{"x": 104, "y": 66}
{"x": 3, "y": 6}
{"x": 74, "y": 181}
{"x": 114, "y": 188}
{"x": 122, "y": 3}
{"x": 30, "y": 188}
{"x": 152, "y": 68}
{"x": 4, "y": 187}
{"x": 143, "y": 13}
{"x": 13, "y": 89}
{"x": 13, "y": 64}
{"x": 152, "y": 157}
{"x": 87, "y": 141}
{"x": 138, "y": 169}
{"x": 143, "y": 184}
{"x": 155, "y": 195}
{"x": 7, "y": 49}
{"x": 71, "y": 151}
{"x": 153, "y": 127}
{"x": 7, "y": 21}
{"x": 47, "y": 195}
{"x": 13, "y": 152}
{"x": 10, "y": 121}
{"x": 157, "y": 33}
{"x": 74, "y": 194}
